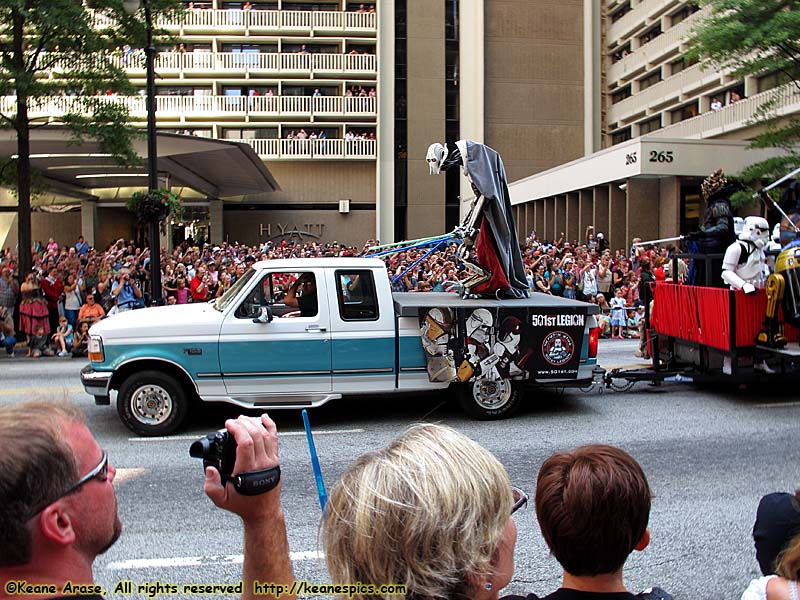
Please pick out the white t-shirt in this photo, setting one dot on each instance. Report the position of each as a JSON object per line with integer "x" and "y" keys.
{"x": 757, "y": 590}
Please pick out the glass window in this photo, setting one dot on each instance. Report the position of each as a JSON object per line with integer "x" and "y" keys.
{"x": 650, "y": 35}
{"x": 651, "y": 125}
{"x": 686, "y": 112}
{"x": 621, "y": 94}
{"x": 620, "y": 12}
{"x": 288, "y": 295}
{"x": 621, "y": 136}
{"x": 650, "y": 80}
{"x": 355, "y": 290}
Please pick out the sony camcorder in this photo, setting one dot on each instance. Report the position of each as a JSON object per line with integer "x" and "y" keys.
{"x": 218, "y": 450}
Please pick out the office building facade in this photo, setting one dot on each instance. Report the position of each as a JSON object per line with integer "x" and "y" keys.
{"x": 656, "y": 124}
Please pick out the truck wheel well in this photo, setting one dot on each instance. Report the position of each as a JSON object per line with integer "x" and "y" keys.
{"x": 175, "y": 372}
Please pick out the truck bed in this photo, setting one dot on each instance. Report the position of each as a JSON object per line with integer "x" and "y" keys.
{"x": 407, "y": 304}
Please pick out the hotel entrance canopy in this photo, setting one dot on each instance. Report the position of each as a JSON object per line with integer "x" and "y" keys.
{"x": 214, "y": 168}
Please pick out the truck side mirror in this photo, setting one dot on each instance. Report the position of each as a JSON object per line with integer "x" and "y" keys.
{"x": 265, "y": 316}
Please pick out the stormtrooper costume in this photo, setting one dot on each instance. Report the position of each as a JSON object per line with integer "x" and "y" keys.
{"x": 477, "y": 342}
{"x": 744, "y": 265}
{"x": 435, "y": 331}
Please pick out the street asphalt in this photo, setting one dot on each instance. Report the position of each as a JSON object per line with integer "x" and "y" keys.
{"x": 709, "y": 454}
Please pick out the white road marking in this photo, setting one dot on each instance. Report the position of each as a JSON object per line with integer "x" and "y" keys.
{"x": 39, "y": 392}
{"x": 198, "y": 561}
{"x": 123, "y": 475}
{"x": 185, "y": 438}
{"x": 777, "y": 404}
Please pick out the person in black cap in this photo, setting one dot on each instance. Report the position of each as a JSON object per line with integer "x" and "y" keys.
{"x": 777, "y": 522}
{"x": 306, "y": 299}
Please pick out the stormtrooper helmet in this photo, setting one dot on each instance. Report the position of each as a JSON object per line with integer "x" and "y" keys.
{"x": 436, "y": 154}
{"x": 480, "y": 318}
{"x": 756, "y": 230}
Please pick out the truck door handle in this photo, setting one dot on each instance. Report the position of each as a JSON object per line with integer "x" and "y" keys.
{"x": 315, "y": 329}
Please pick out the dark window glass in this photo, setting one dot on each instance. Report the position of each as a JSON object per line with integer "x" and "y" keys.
{"x": 355, "y": 290}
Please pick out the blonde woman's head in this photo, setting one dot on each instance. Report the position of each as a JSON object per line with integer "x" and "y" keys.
{"x": 428, "y": 511}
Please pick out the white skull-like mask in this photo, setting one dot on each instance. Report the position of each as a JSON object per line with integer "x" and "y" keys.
{"x": 436, "y": 154}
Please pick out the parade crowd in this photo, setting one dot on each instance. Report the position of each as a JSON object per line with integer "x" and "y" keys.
{"x": 72, "y": 286}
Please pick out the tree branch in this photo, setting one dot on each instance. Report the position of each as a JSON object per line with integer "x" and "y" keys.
{"x": 790, "y": 55}
{"x": 9, "y": 120}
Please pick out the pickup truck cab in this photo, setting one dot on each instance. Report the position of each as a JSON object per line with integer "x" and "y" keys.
{"x": 258, "y": 349}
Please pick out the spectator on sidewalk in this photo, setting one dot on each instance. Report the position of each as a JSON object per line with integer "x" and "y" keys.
{"x": 9, "y": 294}
{"x": 52, "y": 288}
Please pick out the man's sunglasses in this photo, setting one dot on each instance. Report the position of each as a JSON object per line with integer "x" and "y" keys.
{"x": 100, "y": 472}
{"x": 520, "y": 499}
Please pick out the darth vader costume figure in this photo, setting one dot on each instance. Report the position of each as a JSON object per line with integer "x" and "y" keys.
{"x": 491, "y": 249}
{"x": 717, "y": 231}
{"x": 790, "y": 203}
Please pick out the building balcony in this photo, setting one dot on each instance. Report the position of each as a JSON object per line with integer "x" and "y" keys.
{"x": 265, "y": 22}
{"x": 641, "y": 16}
{"x": 672, "y": 91}
{"x": 239, "y": 64}
{"x": 733, "y": 117}
{"x": 187, "y": 108}
{"x": 651, "y": 54}
{"x": 313, "y": 149}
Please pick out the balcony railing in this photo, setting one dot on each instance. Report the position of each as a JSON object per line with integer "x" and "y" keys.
{"x": 644, "y": 57}
{"x": 641, "y": 13}
{"x": 681, "y": 86}
{"x": 238, "y": 63}
{"x": 340, "y": 149}
{"x": 732, "y": 117}
{"x": 204, "y": 107}
{"x": 264, "y": 21}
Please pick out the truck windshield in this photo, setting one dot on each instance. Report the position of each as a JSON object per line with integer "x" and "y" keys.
{"x": 223, "y": 301}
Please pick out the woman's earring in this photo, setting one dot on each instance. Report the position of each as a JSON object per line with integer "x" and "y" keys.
{"x": 488, "y": 586}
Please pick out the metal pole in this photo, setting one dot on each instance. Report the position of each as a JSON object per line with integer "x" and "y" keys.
{"x": 780, "y": 181}
{"x": 152, "y": 158}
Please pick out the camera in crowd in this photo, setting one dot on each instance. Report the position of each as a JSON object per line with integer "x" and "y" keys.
{"x": 218, "y": 450}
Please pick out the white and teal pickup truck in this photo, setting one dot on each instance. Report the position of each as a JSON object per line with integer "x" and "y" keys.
{"x": 272, "y": 341}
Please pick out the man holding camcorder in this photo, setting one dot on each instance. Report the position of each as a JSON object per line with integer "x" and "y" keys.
{"x": 60, "y": 510}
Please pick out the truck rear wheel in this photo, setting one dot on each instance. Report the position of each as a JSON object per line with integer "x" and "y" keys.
{"x": 486, "y": 400}
{"x": 151, "y": 403}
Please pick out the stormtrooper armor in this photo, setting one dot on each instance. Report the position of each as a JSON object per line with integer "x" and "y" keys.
{"x": 744, "y": 265}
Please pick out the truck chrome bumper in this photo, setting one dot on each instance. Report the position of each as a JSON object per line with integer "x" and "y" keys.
{"x": 96, "y": 383}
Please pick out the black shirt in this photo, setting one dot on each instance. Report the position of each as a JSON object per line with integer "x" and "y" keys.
{"x": 570, "y": 594}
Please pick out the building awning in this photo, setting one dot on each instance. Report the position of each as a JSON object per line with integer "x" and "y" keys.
{"x": 642, "y": 157}
{"x": 215, "y": 168}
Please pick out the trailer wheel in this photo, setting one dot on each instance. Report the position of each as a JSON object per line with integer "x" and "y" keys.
{"x": 151, "y": 403}
{"x": 487, "y": 400}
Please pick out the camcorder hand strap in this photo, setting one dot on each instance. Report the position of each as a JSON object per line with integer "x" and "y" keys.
{"x": 253, "y": 483}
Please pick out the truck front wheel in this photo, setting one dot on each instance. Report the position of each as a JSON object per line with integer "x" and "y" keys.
{"x": 487, "y": 399}
{"x": 151, "y": 403}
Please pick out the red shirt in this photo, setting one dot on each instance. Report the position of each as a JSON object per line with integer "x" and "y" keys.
{"x": 200, "y": 296}
{"x": 52, "y": 291}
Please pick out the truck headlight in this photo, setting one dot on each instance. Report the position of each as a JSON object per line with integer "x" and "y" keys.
{"x": 96, "y": 353}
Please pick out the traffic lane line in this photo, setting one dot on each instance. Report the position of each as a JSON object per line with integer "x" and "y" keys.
{"x": 39, "y": 391}
{"x": 198, "y": 561}
{"x": 777, "y": 404}
{"x": 186, "y": 438}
